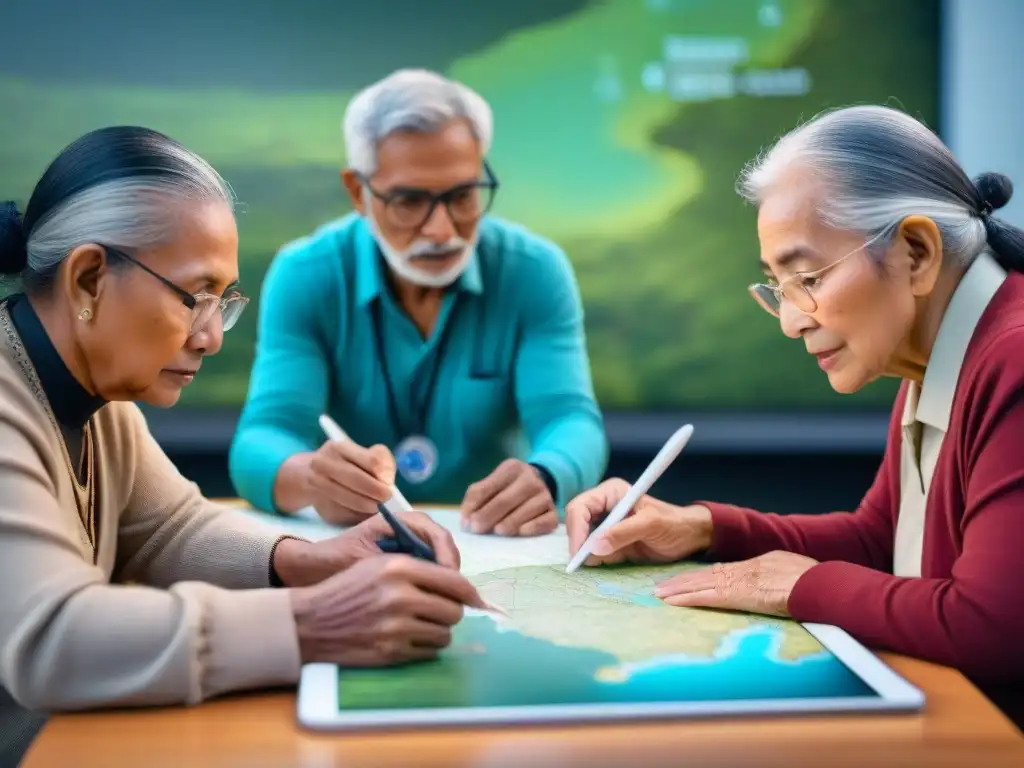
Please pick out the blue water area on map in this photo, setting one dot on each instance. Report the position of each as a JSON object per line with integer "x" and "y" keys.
{"x": 489, "y": 666}
{"x": 646, "y": 600}
{"x": 746, "y": 667}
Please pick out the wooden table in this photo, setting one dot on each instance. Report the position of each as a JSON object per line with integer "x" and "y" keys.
{"x": 959, "y": 727}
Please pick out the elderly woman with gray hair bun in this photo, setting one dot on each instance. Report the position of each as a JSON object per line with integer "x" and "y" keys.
{"x": 882, "y": 258}
{"x": 122, "y": 585}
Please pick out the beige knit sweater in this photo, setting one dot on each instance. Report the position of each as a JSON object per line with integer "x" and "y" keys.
{"x": 199, "y": 617}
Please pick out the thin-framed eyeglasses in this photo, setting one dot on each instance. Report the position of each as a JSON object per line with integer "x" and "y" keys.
{"x": 203, "y": 306}
{"x": 798, "y": 288}
{"x": 411, "y": 207}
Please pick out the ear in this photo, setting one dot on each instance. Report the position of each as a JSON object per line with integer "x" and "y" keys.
{"x": 354, "y": 186}
{"x": 82, "y": 275}
{"x": 924, "y": 248}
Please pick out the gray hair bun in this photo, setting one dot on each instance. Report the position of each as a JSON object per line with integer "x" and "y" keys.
{"x": 994, "y": 190}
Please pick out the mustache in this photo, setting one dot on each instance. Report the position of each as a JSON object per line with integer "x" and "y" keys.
{"x": 426, "y": 248}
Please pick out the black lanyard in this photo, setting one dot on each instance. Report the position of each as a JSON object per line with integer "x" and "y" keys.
{"x": 421, "y": 410}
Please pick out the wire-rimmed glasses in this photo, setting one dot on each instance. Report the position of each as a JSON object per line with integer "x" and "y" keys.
{"x": 203, "y": 306}
{"x": 797, "y": 288}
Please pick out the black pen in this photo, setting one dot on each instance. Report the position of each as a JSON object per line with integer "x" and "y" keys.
{"x": 404, "y": 541}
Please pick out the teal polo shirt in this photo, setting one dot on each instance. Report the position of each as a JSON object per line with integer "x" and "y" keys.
{"x": 508, "y": 355}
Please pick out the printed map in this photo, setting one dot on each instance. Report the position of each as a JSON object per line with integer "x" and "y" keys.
{"x": 600, "y": 636}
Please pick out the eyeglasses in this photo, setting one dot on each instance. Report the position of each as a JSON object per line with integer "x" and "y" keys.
{"x": 797, "y": 288}
{"x": 411, "y": 207}
{"x": 204, "y": 306}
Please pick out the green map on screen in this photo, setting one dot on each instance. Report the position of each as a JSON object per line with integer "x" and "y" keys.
{"x": 620, "y": 129}
{"x": 600, "y": 636}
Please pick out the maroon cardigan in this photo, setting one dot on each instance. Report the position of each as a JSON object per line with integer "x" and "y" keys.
{"x": 967, "y": 609}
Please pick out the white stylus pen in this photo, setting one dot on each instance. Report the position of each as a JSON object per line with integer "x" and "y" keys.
{"x": 397, "y": 502}
{"x": 672, "y": 448}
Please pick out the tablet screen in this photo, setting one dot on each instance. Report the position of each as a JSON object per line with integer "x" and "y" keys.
{"x": 599, "y": 636}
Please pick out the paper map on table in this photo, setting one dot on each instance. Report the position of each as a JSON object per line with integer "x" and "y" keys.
{"x": 479, "y": 553}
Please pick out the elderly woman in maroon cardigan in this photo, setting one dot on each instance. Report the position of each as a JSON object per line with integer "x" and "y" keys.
{"x": 882, "y": 258}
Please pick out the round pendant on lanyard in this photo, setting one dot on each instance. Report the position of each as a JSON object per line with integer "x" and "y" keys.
{"x": 416, "y": 454}
{"x": 416, "y": 457}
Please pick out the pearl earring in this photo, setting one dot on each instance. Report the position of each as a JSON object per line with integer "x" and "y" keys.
{"x": 85, "y": 315}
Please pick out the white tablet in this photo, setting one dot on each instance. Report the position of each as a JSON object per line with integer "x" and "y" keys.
{"x": 596, "y": 645}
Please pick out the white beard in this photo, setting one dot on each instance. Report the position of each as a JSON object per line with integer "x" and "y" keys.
{"x": 401, "y": 261}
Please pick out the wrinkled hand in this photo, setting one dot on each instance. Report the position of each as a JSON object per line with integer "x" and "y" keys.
{"x": 512, "y": 501}
{"x": 383, "y": 610}
{"x": 300, "y": 563}
{"x": 759, "y": 585}
{"x": 348, "y": 481}
{"x": 652, "y": 532}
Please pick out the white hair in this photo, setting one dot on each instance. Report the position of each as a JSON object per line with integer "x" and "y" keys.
{"x": 410, "y": 100}
{"x": 137, "y": 212}
{"x": 878, "y": 166}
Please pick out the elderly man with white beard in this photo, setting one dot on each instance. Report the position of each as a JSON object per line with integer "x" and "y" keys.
{"x": 438, "y": 337}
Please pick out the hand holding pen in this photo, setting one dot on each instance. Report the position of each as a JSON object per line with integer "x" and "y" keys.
{"x": 391, "y": 505}
{"x": 349, "y": 480}
{"x": 604, "y": 525}
{"x": 381, "y": 611}
{"x": 405, "y": 527}
{"x": 299, "y": 563}
{"x": 385, "y": 610}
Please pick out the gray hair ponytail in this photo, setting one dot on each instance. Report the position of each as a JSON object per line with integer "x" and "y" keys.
{"x": 880, "y": 166}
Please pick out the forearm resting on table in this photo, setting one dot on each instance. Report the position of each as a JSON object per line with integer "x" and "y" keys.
{"x": 974, "y": 625}
{"x": 292, "y": 489}
{"x": 125, "y": 645}
{"x": 702, "y": 525}
{"x": 855, "y": 537}
{"x": 574, "y": 452}
{"x": 259, "y": 451}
